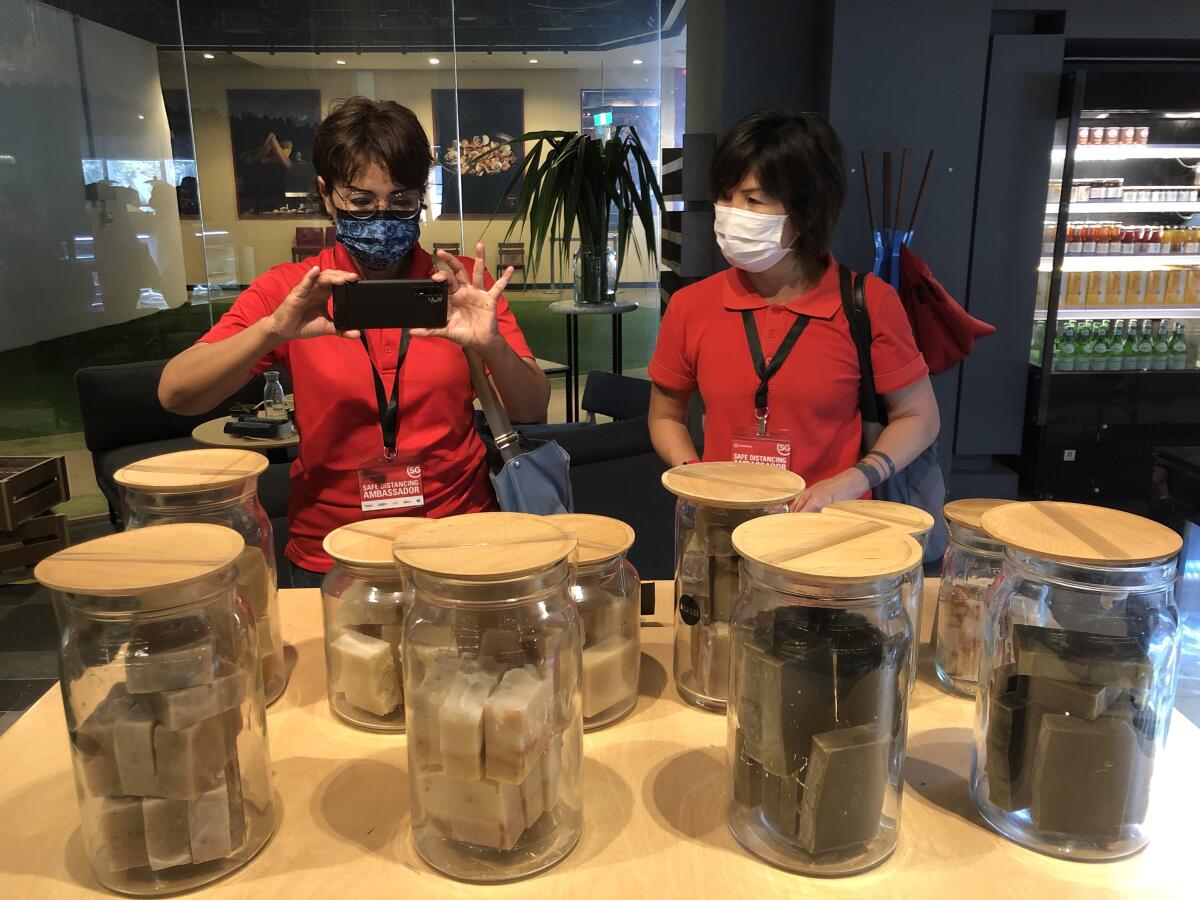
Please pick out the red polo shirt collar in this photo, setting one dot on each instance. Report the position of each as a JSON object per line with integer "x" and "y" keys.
{"x": 821, "y": 301}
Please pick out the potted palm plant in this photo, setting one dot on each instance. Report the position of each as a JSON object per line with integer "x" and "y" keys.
{"x": 572, "y": 181}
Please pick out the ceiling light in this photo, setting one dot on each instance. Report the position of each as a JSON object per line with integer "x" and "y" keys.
{"x": 637, "y": 62}
{"x": 340, "y": 62}
{"x": 433, "y": 60}
{"x": 209, "y": 56}
{"x": 533, "y": 62}
{"x": 140, "y": 116}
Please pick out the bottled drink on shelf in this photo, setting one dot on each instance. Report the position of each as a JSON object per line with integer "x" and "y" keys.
{"x": 1128, "y": 241}
{"x": 1145, "y": 347}
{"x": 1129, "y": 353}
{"x": 1100, "y": 348}
{"x": 1154, "y": 245}
{"x": 1064, "y": 352}
{"x": 1116, "y": 347}
{"x": 1085, "y": 346}
{"x": 1088, "y": 245}
{"x": 1192, "y": 241}
{"x": 1162, "y": 347}
{"x": 1074, "y": 239}
{"x": 1178, "y": 353}
{"x": 1035, "y": 344}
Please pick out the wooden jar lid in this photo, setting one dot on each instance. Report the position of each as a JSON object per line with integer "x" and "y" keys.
{"x": 191, "y": 470}
{"x": 368, "y": 544}
{"x": 969, "y": 513}
{"x": 732, "y": 485}
{"x": 1076, "y": 532}
{"x": 484, "y": 546}
{"x": 600, "y": 538}
{"x": 827, "y": 548}
{"x": 909, "y": 519}
{"x": 142, "y": 559}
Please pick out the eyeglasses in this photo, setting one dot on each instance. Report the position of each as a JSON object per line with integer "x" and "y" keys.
{"x": 361, "y": 205}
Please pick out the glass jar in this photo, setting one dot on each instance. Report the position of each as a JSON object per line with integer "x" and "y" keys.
{"x": 714, "y": 499}
{"x": 970, "y": 566}
{"x": 492, "y": 665}
{"x": 219, "y": 487}
{"x": 595, "y": 275}
{"x": 608, "y": 596}
{"x": 918, "y": 525}
{"x": 365, "y": 596}
{"x": 164, "y": 706}
{"x": 819, "y": 694}
{"x": 1077, "y": 677}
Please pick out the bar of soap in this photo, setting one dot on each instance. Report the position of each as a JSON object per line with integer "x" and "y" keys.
{"x": 213, "y": 819}
{"x": 476, "y": 811}
{"x": 169, "y": 670}
{"x": 516, "y": 724}
{"x": 256, "y": 583}
{"x": 747, "y": 774}
{"x": 502, "y": 645}
{"x": 551, "y": 769}
{"x": 779, "y": 711}
{"x": 460, "y": 723}
{"x": 714, "y": 659}
{"x": 1072, "y": 697}
{"x": 168, "y": 841}
{"x": 608, "y": 676}
{"x": 363, "y": 669}
{"x": 191, "y": 760}
{"x": 133, "y": 744}
{"x": 533, "y": 793}
{"x": 726, "y": 579}
{"x": 1084, "y": 774}
{"x": 122, "y": 833}
{"x": 93, "y": 741}
{"x": 356, "y": 613}
{"x": 781, "y": 796}
{"x": 1110, "y": 660}
{"x": 844, "y": 788}
{"x": 187, "y": 706}
{"x": 1008, "y": 715}
{"x": 1005, "y": 679}
{"x": 425, "y": 703}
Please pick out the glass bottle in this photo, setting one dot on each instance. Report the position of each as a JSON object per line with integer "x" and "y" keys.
{"x": 273, "y": 400}
{"x": 1145, "y": 347}
{"x": 1116, "y": 347}
{"x": 1077, "y": 680}
{"x": 1129, "y": 355}
{"x": 1177, "y": 359}
{"x": 494, "y": 711}
{"x": 1162, "y": 348}
{"x": 714, "y": 499}
{"x": 1100, "y": 348}
{"x": 364, "y": 597}
{"x": 1068, "y": 349}
{"x": 218, "y": 486}
{"x": 1085, "y": 347}
{"x": 819, "y": 692}
{"x": 164, "y": 706}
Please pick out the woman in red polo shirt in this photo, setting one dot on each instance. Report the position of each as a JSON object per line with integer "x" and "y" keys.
{"x": 372, "y": 160}
{"x": 766, "y": 342}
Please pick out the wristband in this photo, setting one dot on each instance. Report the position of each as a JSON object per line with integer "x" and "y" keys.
{"x": 873, "y": 475}
{"x": 886, "y": 460}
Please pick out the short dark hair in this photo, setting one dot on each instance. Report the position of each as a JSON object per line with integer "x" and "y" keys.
{"x": 359, "y": 131}
{"x": 798, "y": 158}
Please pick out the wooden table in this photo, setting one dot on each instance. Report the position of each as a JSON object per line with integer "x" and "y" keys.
{"x": 653, "y": 808}
{"x": 212, "y": 434}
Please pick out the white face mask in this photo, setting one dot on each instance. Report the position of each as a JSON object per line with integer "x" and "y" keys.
{"x": 750, "y": 241}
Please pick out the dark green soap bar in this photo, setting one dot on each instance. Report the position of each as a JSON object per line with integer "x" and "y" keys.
{"x": 1084, "y": 775}
{"x": 724, "y": 581}
{"x": 1004, "y": 679}
{"x": 844, "y": 788}
{"x": 781, "y": 801}
{"x": 1006, "y": 751}
{"x": 1073, "y": 697}
{"x": 1108, "y": 660}
{"x": 747, "y": 774}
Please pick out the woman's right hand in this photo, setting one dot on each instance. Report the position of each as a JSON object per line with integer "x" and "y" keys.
{"x": 302, "y": 314}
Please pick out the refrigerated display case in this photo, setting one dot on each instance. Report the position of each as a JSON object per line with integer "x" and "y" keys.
{"x": 1113, "y": 355}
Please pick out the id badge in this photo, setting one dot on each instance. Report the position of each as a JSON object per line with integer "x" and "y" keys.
{"x": 390, "y": 484}
{"x": 771, "y": 449}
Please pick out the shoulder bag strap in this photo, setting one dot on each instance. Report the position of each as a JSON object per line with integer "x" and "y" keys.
{"x": 854, "y": 304}
{"x": 506, "y": 437}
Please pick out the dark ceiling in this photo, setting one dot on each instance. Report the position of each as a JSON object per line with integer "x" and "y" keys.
{"x": 383, "y": 25}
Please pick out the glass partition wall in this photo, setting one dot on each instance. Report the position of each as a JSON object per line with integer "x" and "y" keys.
{"x": 156, "y": 158}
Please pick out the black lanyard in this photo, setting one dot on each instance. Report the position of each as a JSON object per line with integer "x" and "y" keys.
{"x": 389, "y": 410}
{"x": 762, "y": 368}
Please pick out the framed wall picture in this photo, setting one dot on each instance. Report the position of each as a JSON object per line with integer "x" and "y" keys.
{"x": 476, "y": 149}
{"x": 272, "y": 132}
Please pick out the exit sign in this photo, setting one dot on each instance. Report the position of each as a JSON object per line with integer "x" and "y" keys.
{"x": 602, "y": 118}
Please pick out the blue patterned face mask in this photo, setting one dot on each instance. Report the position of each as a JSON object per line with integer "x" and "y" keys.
{"x": 379, "y": 242}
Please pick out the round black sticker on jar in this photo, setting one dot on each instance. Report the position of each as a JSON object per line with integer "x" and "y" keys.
{"x": 689, "y": 609}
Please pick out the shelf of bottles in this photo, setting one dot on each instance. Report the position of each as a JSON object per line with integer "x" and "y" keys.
{"x": 1131, "y": 248}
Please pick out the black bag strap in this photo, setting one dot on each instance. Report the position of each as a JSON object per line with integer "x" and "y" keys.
{"x": 508, "y": 442}
{"x": 854, "y": 305}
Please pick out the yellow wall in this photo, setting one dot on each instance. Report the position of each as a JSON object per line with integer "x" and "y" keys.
{"x": 252, "y": 246}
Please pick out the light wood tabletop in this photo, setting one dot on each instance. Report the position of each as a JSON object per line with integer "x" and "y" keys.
{"x": 212, "y": 433}
{"x": 654, "y": 819}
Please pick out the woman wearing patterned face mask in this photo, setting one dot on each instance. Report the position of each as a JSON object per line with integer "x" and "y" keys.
{"x": 767, "y": 343}
{"x": 372, "y": 159}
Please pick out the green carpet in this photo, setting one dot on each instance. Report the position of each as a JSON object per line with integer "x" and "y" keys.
{"x": 546, "y": 333}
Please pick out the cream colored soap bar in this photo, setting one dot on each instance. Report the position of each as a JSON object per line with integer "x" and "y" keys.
{"x": 714, "y": 658}
{"x": 133, "y": 743}
{"x": 191, "y": 760}
{"x": 355, "y": 614}
{"x": 179, "y": 709}
{"x": 533, "y": 793}
{"x": 94, "y": 743}
{"x": 216, "y": 819}
{"x": 482, "y": 812}
{"x": 122, "y": 833}
{"x": 551, "y": 768}
{"x": 517, "y": 724}
{"x": 167, "y": 841}
{"x": 609, "y": 674}
{"x": 460, "y": 723}
{"x": 425, "y": 704}
{"x": 169, "y": 670}
{"x": 364, "y": 670}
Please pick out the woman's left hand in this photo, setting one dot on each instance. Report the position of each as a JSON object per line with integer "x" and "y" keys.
{"x": 471, "y": 319}
{"x": 848, "y": 485}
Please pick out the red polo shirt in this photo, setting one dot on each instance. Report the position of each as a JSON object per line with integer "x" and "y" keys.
{"x": 338, "y": 419}
{"x": 702, "y": 344}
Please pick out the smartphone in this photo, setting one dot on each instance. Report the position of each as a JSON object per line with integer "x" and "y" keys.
{"x": 392, "y": 303}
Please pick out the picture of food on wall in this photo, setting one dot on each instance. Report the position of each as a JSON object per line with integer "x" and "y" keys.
{"x": 471, "y": 145}
{"x": 272, "y": 133}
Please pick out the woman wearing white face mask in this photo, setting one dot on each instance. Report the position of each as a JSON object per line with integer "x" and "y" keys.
{"x": 767, "y": 343}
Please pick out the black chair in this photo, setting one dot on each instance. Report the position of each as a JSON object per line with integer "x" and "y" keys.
{"x": 124, "y": 422}
{"x": 616, "y": 396}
